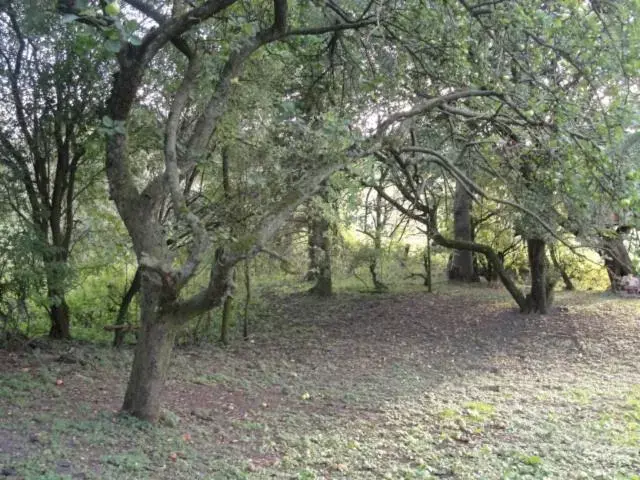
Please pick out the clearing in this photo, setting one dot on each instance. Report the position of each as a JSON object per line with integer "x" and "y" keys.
{"x": 452, "y": 385}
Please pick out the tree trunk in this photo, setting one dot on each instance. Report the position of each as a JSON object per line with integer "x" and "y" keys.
{"x": 59, "y": 316}
{"x": 616, "y": 260}
{"x": 152, "y": 357}
{"x": 227, "y": 309}
{"x": 134, "y": 288}
{"x": 568, "y": 284}
{"x": 58, "y": 309}
{"x": 314, "y": 244}
{"x": 426, "y": 261}
{"x": 537, "y": 298}
{"x": 323, "y": 286}
{"x": 247, "y": 300}
{"x": 461, "y": 267}
{"x": 491, "y": 257}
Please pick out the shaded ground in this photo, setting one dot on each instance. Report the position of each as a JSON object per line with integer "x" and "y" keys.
{"x": 452, "y": 385}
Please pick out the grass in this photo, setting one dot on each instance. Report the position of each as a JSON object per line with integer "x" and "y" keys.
{"x": 399, "y": 386}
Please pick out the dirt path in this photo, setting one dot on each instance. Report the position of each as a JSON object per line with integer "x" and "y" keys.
{"x": 454, "y": 385}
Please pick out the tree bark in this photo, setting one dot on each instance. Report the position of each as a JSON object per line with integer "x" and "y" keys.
{"x": 58, "y": 309}
{"x": 537, "y": 298}
{"x": 461, "y": 267}
{"x": 314, "y": 244}
{"x": 152, "y": 357}
{"x": 322, "y": 236}
{"x": 616, "y": 259}
{"x": 426, "y": 261}
{"x": 59, "y": 316}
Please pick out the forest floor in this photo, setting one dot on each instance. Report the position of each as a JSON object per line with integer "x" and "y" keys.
{"x": 453, "y": 385}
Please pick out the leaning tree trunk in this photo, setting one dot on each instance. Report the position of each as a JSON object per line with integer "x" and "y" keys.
{"x": 491, "y": 257}
{"x": 568, "y": 284}
{"x": 322, "y": 236}
{"x": 152, "y": 357}
{"x": 537, "y": 298}
{"x": 616, "y": 260}
{"x": 461, "y": 266}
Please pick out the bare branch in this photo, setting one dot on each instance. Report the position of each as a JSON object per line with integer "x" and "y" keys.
{"x": 172, "y": 173}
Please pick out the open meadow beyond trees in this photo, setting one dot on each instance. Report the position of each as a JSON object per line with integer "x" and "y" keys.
{"x": 319, "y": 239}
{"x": 450, "y": 385}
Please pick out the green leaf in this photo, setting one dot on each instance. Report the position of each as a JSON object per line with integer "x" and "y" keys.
{"x": 135, "y": 41}
{"x": 112, "y": 45}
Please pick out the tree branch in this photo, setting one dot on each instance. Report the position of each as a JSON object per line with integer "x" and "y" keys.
{"x": 430, "y": 105}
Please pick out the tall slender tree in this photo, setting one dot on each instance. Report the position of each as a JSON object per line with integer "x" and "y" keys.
{"x": 49, "y": 97}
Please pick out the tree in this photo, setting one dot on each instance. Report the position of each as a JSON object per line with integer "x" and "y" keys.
{"x": 185, "y": 144}
{"x": 49, "y": 103}
{"x": 541, "y": 111}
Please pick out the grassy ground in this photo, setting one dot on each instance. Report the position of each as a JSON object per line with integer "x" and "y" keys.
{"x": 403, "y": 386}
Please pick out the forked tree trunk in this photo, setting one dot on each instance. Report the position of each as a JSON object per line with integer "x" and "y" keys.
{"x": 537, "y": 298}
{"x": 461, "y": 267}
{"x": 152, "y": 358}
